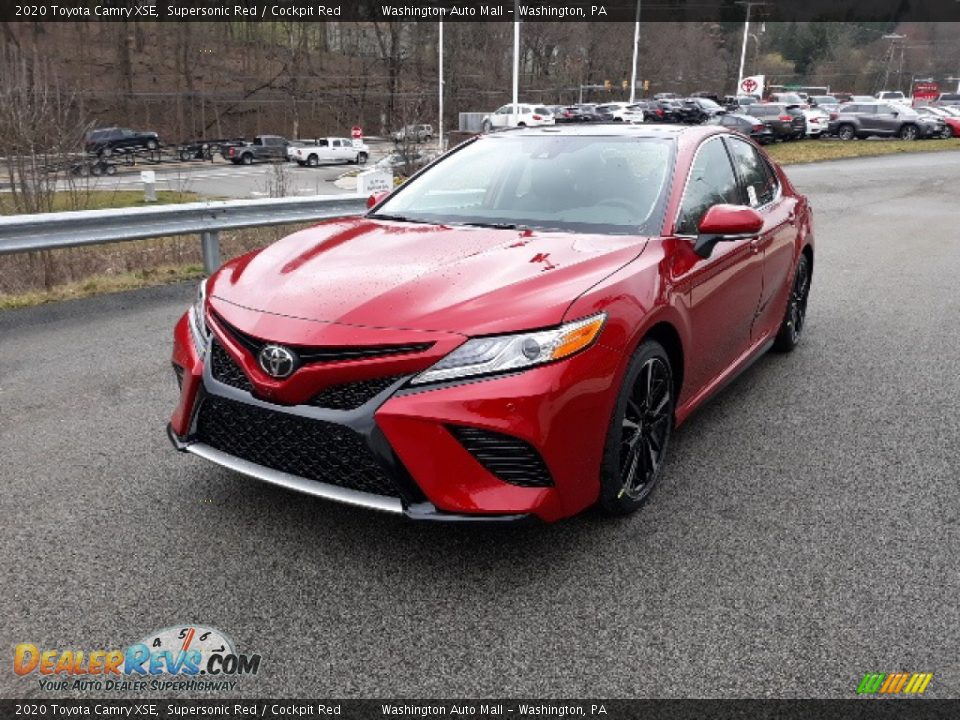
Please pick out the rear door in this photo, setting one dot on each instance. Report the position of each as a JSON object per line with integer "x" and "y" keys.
{"x": 723, "y": 290}
{"x": 776, "y": 242}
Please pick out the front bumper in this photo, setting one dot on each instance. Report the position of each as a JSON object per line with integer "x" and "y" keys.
{"x": 561, "y": 410}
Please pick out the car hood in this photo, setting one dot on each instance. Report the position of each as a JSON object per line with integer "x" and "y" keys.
{"x": 374, "y": 273}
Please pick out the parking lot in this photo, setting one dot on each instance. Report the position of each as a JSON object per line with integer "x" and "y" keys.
{"x": 805, "y": 532}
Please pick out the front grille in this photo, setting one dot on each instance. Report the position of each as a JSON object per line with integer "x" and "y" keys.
{"x": 328, "y": 353}
{"x": 225, "y": 370}
{"x": 312, "y": 449}
{"x": 350, "y": 396}
{"x": 509, "y": 458}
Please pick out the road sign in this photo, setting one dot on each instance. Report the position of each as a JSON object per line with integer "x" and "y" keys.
{"x": 356, "y": 132}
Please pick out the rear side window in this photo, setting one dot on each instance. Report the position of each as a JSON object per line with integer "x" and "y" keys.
{"x": 711, "y": 182}
{"x": 757, "y": 176}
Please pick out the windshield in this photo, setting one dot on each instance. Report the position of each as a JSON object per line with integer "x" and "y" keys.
{"x": 574, "y": 183}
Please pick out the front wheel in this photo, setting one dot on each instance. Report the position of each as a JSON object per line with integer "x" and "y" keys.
{"x": 909, "y": 132}
{"x": 639, "y": 431}
{"x": 793, "y": 321}
{"x": 487, "y": 126}
{"x": 846, "y": 132}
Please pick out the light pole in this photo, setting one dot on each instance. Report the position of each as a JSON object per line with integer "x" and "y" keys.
{"x": 440, "y": 90}
{"x": 636, "y": 50}
{"x": 743, "y": 48}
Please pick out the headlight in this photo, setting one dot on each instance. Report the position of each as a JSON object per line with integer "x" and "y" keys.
{"x": 503, "y": 353}
{"x": 198, "y": 321}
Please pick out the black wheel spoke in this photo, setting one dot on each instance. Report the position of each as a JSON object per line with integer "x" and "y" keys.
{"x": 645, "y": 429}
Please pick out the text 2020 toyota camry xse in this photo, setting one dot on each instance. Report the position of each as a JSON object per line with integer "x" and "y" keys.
{"x": 514, "y": 332}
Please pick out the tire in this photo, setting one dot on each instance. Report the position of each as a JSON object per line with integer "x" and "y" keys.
{"x": 106, "y": 152}
{"x": 152, "y": 145}
{"x": 313, "y": 161}
{"x": 846, "y": 132}
{"x": 184, "y": 155}
{"x": 487, "y": 127}
{"x": 246, "y": 159}
{"x": 949, "y": 132}
{"x": 639, "y": 432}
{"x": 111, "y": 169}
{"x": 427, "y": 138}
{"x": 794, "y": 319}
{"x": 96, "y": 169}
{"x": 909, "y": 132}
{"x": 521, "y": 124}
{"x": 361, "y": 158}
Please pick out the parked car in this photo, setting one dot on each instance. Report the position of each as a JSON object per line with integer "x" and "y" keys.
{"x": 786, "y": 98}
{"x": 786, "y": 122}
{"x": 827, "y": 103}
{"x": 748, "y": 125}
{"x": 668, "y": 111}
{"x": 862, "y": 99}
{"x": 576, "y": 114}
{"x": 952, "y": 99}
{"x": 425, "y": 360}
{"x": 951, "y": 120}
{"x": 104, "y": 142}
{"x": 639, "y": 112}
{"x": 329, "y": 150}
{"x": 893, "y": 96}
{"x": 739, "y": 103}
{"x": 612, "y": 112}
{"x": 698, "y": 110}
{"x": 263, "y": 147}
{"x": 522, "y": 115}
{"x": 862, "y": 120}
{"x": 817, "y": 121}
{"x": 414, "y": 133}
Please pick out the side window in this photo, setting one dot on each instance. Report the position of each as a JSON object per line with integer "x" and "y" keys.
{"x": 756, "y": 175}
{"x": 505, "y": 110}
{"x": 711, "y": 182}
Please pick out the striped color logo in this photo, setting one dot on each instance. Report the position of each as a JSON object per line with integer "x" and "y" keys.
{"x": 894, "y": 683}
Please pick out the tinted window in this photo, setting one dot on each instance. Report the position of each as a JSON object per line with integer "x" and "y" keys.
{"x": 711, "y": 182}
{"x": 756, "y": 175}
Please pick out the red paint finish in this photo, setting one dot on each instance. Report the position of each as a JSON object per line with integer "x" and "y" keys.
{"x": 361, "y": 281}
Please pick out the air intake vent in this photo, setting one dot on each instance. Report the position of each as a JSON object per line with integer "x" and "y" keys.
{"x": 511, "y": 459}
{"x": 350, "y": 396}
{"x": 225, "y": 370}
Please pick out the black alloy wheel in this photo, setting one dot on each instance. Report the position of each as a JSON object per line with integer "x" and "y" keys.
{"x": 793, "y": 322}
{"x": 640, "y": 431}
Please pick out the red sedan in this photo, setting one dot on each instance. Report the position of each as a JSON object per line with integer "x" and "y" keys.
{"x": 514, "y": 332}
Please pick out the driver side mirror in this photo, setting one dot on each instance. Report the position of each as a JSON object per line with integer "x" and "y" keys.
{"x": 376, "y": 199}
{"x": 724, "y": 223}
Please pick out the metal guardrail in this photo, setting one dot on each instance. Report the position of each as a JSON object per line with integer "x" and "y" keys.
{"x": 47, "y": 231}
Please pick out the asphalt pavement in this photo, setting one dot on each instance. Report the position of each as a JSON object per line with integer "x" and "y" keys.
{"x": 805, "y": 531}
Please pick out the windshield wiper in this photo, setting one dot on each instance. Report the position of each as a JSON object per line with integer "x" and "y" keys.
{"x": 395, "y": 218}
{"x": 495, "y": 226}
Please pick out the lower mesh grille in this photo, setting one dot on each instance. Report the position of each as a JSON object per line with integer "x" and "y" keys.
{"x": 225, "y": 370}
{"x": 511, "y": 459}
{"x": 312, "y": 449}
{"x": 350, "y": 396}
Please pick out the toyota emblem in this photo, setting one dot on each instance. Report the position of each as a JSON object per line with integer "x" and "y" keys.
{"x": 277, "y": 361}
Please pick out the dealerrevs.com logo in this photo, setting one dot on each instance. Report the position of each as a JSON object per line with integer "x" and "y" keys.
{"x": 177, "y": 659}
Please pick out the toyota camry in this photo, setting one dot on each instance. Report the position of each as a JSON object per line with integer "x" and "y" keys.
{"x": 515, "y": 332}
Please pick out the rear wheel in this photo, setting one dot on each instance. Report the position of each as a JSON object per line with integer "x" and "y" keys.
{"x": 247, "y": 159}
{"x": 185, "y": 155}
{"x": 361, "y": 158}
{"x": 152, "y": 145}
{"x": 639, "y": 431}
{"x": 793, "y": 321}
{"x": 846, "y": 132}
{"x": 313, "y": 161}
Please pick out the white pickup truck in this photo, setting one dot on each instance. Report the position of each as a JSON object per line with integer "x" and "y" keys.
{"x": 329, "y": 150}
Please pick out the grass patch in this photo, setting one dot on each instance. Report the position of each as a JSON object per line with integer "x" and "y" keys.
{"x": 99, "y": 284}
{"x": 102, "y": 199}
{"x": 807, "y": 151}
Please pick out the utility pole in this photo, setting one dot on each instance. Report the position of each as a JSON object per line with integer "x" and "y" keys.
{"x": 636, "y": 51}
{"x": 440, "y": 90}
{"x": 743, "y": 48}
{"x": 893, "y": 38}
{"x": 516, "y": 56}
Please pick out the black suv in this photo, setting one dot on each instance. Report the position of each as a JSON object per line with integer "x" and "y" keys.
{"x": 786, "y": 122}
{"x": 106, "y": 141}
